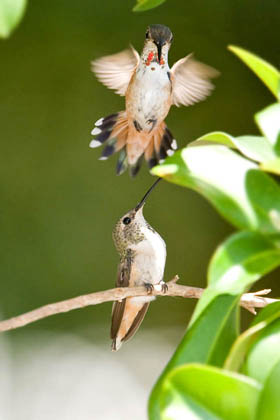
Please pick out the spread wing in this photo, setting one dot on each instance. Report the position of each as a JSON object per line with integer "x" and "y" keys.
{"x": 191, "y": 81}
{"x": 118, "y": 307}
{"x": 115, "y": 71}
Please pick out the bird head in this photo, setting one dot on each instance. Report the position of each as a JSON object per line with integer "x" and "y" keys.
{"x": 158, "y": 40}
{"x": 128, "y": 230}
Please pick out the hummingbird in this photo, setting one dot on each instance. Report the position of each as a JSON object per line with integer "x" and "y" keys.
{"x": 142, "y": 260}
{"x": 150, "y": 88}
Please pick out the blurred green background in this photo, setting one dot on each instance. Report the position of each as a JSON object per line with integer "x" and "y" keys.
{"x": 59, "y": 203}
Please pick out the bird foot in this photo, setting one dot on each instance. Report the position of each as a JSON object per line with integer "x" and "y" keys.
{"x": 149, "y": 287}
{"x": 164, "y": 286}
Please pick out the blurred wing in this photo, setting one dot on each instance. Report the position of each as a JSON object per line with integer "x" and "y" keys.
{"x": 118, "y": 307}
{"x": 115, "y": 71}
{"x": 191, "y": 81}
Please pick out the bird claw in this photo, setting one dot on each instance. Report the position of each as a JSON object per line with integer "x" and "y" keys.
{"x": 149, "y": 287}
{"x": 164, "y": 286}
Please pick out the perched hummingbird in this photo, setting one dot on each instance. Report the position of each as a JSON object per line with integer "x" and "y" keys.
{"x": 142, "y": 261}
{"x": 150, "y": 88}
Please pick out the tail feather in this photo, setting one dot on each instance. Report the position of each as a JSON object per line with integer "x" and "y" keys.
{"x": 164, "y": 145}
{"x": 107, "y": 122}
{"x": 127, "y": 317}
{"x": 168, "y": 145}
{"x": 149, "y": 151}
{"x": 152, "y": 162}
{"x": 169, "y": 140}
{"x": 120, "y": 143}
{"x": 103, "y": 129}
{"x": 150, "y": 154}
{"x": 134, "y": 169}
{"x": 119, "y": 136}
{"x": 122, "y": 163}
{"x": 109, "y": 149}
{"x": 158, "y": 136}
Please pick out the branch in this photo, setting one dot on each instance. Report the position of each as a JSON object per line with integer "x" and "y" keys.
{"x": 250, "y": 301}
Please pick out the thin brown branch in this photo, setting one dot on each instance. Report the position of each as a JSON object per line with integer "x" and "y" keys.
{"x": 250, "y": 301}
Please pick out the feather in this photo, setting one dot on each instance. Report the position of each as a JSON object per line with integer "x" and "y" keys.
{"x": 109, "y": 149}
{"x": 168, "y": 145}
{"x": 161, "y": 145}
{"x": 115, "y": 71}
{"x": 103, "y": 129}
{"x": 119, "y": 136}
{"x": 127, "y": 314}
{"x": 122, "y": 163}
{"x": 118, "y": 307}
{"x": 137, "y": 322}
{"x": 149, "y": 151}
{"x": 191, "y": 81}
{"x": 134, "y": 169}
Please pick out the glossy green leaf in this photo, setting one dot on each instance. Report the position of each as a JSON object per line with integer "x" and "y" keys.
{"x": 243, "y": 194}
{"x": 264, "y": 353}
{"x": 272, "y": 166}
{"x": 268, "y": 121}
{"x": 269, "y": 401}
{"x": 143, "y": 5}
{"x": 11, "y": 12}
{"x": 240, "y": 348}
{"x": 253, "y": 147}
{"x": 203, "y": 392}
{"x": 218, "y": 137}
{"x": 241, "y": 260}
{"x": 268, "y": 314}
{"x": 237, "y": 263}
{"x": 264, "y": 70}
{"x": 242, "y": 345}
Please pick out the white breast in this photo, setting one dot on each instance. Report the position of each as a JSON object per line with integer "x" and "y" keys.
{"x": 149, "y": 261}
{"x": 153, "y": 77}
{"x": 150, "y": 94}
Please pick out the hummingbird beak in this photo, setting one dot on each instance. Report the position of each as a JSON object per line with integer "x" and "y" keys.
{"x": 142, "y": 202}
{"x": 159, "y": 48}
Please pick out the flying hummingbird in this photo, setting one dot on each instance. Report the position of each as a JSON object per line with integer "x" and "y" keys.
{"x": 150, "y": 88}
{"x": 142, "y": 261}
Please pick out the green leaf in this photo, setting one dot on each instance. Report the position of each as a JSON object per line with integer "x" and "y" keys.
{"x": 269, "y": 401}
{"x": 272, "y": 166}
{"x": 268, "y": 121}
{"x": 227, "y": 334}
{"x": 264, "y": 70}
{"x": 268, "y": 314}
{"x": 143, "y": 5}
{"x": 203, "y": 392}
{"x": 264, "y": 353}
{"x": 11, "y": 12}
{"x": 218, "y": 137}
{"x": 237, "y": 263}
{"x": 241, "y": 260}
{"x": 242, "y": 345}
{"x": 253, "y": 147}
{"x": 244, "y": 195}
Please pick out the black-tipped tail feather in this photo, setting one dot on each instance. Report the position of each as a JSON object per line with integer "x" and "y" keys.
{"x": 103, "y": 129}
{"x": 112, "y": 132}
{"x": 168, "y": 145}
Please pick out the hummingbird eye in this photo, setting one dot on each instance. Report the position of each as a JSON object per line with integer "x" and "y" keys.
{"x": 126, "y": 220}
{"x": 147, "y": 34}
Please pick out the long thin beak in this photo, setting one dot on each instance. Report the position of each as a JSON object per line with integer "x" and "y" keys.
{"x": 142, "y": 202}
{"x": 159, "y": 47}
